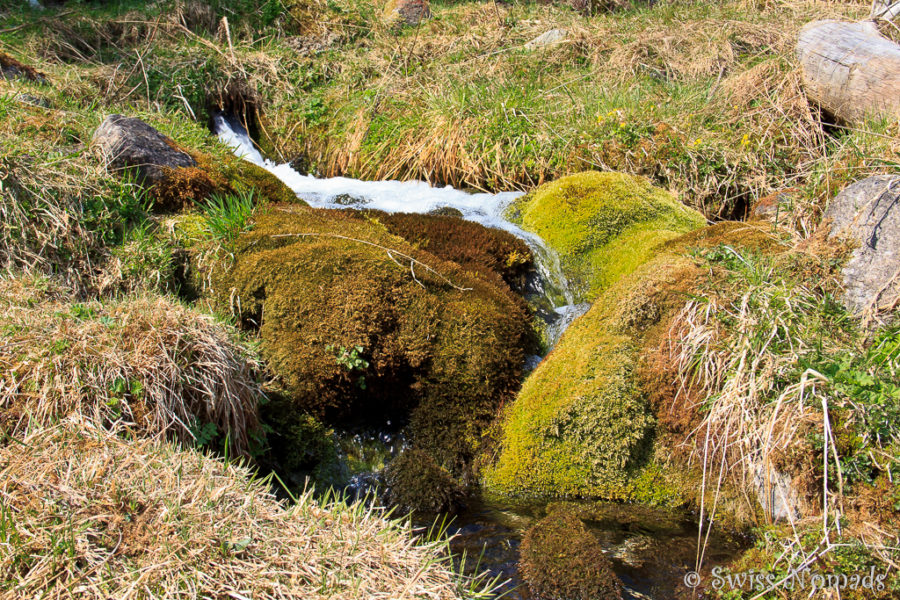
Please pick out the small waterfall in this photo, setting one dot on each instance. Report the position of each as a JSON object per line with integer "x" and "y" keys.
{"x": 416, "y": 197}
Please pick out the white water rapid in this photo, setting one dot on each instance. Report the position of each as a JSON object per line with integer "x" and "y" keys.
{"x": 415, "y": 197}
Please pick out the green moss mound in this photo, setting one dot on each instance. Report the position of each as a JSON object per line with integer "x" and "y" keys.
{"x": 416, "y": 484}
{"x": 244, "y": 176}
{"x": 583, "y": 423}
{"x": 359, "y": 324}
{"x": 603, "y": 225}
{"x": 562, "y": 560}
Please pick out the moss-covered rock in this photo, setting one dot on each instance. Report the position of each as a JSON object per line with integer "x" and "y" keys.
{"x": 602, "y": 225}
{"x": 177, "y": 177}
{"x": 489, "y": 252}
{"x": 562, "y": 560}
{"x": 583, "y": 422}
{"x": 416, "y": 484}
{"x": 359, "y": 324}
{"x": 244, "y": 176}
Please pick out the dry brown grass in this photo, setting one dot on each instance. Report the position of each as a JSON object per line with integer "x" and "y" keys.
{"x": 87, "y": 514}
{"x": 40, "y": 206}
{"x": 145, "y": 364}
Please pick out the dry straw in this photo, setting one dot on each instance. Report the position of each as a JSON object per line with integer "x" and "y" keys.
{"x": 87, "y": 514}
{"x": 145, "y": 363}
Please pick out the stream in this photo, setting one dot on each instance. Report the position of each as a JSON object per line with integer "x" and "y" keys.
{"x": 419, "y": 197}
{"x": 651, "y": 549}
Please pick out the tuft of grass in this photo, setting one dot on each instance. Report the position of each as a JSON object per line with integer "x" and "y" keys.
{"x": 784, "y": 385}
{"x": 145, "y": 364}
{"x": 227, "y": 215}
{"x": 86, "y": 513}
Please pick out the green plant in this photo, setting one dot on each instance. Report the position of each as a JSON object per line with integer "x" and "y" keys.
{"x": 865, "y": 388}
{"x": 204, "y": 434}
{"x": 352, "y": 360}
{"x": 227, "y": 215}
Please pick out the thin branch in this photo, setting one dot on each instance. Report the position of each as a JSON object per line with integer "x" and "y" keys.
{"x": 390, "y": 251}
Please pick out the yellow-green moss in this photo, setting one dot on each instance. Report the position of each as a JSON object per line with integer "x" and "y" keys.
{"x": 583, "y": 423}
{"x": 603, "y": 225}
{"x": 245, "y": 176}
{"x": 445, "y": 356}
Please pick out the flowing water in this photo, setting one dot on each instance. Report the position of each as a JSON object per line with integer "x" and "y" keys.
{"x": 418, "y": 197}
{"x": 651, "y": 549}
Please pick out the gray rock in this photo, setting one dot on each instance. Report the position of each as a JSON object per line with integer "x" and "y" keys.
{"x": 33, "y": 100}
{"x": 867, "y": 214}
{"x": 548, "y": 38}
{"x": 446, "y": 211}
{"x": 774, "y": 208}
{"x": 312, "y": 44}
{"x": 126, "y": 142}
{"x": 775, "y": 492}
{"x": 407, "y": 12}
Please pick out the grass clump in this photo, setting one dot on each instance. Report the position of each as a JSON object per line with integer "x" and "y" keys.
{"x": 145, "y": 364}
{"x": 603, "y": 225}
{"x": 778, "y": 382}
{"x": 83, "y": 507}
{"x": 226, "y": 216}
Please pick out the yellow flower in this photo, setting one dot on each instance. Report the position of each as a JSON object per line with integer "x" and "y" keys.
{"x": 621, "y": 123}
{"x": 745, "y": 141}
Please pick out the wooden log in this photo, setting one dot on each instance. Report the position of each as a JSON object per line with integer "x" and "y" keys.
{"x": 850, "y": 69}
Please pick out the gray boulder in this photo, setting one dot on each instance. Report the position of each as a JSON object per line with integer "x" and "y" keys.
{"x": 867, "y": 214}
{"x": 407, "y": 12}
{"x": 126, "y": 142}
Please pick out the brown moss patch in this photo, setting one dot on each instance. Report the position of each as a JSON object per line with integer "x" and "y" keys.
{"x": 488, "y": 252}
{"x": 431, "y": 342}
{"x": 562, "y": 560}
{"x": 416, "y": 484}
{"x": 11, "y": 68}
{"x": 183, "y": 186}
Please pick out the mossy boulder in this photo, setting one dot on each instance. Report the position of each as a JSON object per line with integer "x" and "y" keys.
{"x": 562, "y": 560}
{"x": 244, "y": 176}
{"x": 602, "y": 225}
{"x": 415, "y": 483}
{"x": 491, "y": 253}
{"x": 176, "y": 176}
{"x": 583, "y": 423}
{"x": 357, "y": 323}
